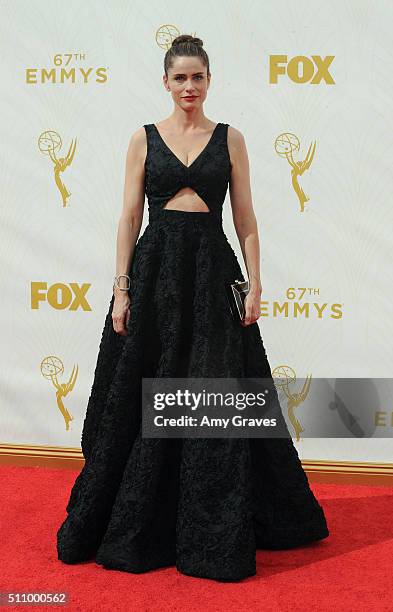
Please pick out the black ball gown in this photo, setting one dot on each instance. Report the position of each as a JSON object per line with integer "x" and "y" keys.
{"x": 201, "y": 505}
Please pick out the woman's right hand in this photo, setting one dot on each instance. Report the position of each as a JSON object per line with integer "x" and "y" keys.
{"x": 121, "y": 312}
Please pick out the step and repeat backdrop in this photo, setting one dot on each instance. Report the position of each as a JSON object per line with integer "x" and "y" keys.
{"x": 309, "y": 85}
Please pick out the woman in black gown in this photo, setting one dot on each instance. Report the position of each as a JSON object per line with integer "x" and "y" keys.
{"x": 202, "y": 505}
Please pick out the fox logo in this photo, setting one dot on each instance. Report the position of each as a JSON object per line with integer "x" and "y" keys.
{"x": 301, "y": 69}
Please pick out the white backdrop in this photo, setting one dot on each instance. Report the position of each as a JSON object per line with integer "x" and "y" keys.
{"x": 339, "y": 248}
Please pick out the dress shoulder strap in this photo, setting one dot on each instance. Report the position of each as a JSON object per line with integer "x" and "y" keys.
{"x": 147, "y": 127}
{"x": 224, "y": 129}
{"x": 149, "y": 136}
{"x": 222, "y": 138}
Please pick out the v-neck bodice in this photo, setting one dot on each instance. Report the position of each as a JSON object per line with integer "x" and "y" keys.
{"x": 199, "y": 154}
{"x": 208, "y": 174}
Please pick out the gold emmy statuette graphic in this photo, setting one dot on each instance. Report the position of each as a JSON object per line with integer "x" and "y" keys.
{"x": 284, "y": 146}
{"x": 48, "y": 143}
{"x": 286, "y": 375}
{"x": 51, "y": 368}
{"x": 166, "y": 34}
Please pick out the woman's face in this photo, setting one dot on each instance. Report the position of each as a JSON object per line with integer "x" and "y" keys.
{"x": 188, "y": 77}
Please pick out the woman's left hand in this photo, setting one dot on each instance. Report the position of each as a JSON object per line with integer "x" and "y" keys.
{"x": 252, "y": 304}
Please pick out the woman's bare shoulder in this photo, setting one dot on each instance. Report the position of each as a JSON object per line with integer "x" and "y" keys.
{"x": 139, "y": 136}
{"x": 137, "y": 145}
{"x": 236, "y": 144}
{"x": 235, "y": 136}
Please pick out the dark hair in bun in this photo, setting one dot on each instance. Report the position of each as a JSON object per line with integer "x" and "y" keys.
{"x": 188, "y": 45}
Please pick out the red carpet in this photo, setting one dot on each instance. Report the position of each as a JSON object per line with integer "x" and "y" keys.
{"x": 350, "y": 570}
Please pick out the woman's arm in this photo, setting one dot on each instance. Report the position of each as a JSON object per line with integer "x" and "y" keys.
{"x": 129, "y": 224}
{"x": 244, "y": 220}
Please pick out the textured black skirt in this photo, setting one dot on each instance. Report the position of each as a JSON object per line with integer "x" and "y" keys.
{"x": 202, "y": 505}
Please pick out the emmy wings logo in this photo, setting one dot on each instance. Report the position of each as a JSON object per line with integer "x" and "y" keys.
{"x": 166, "y": 34}
{"x": 286, "y": 145}
{"x": 338, "y": 407}
{"x": 300, "y": 303}
{"x": 52, "y": 368}
{"x": 49, "y": 143}
{"x": 66, "y": 68}
{"x": 301, "y": 69}
{"x": 60, "y": 296}
{"x": 284, "y": 378}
